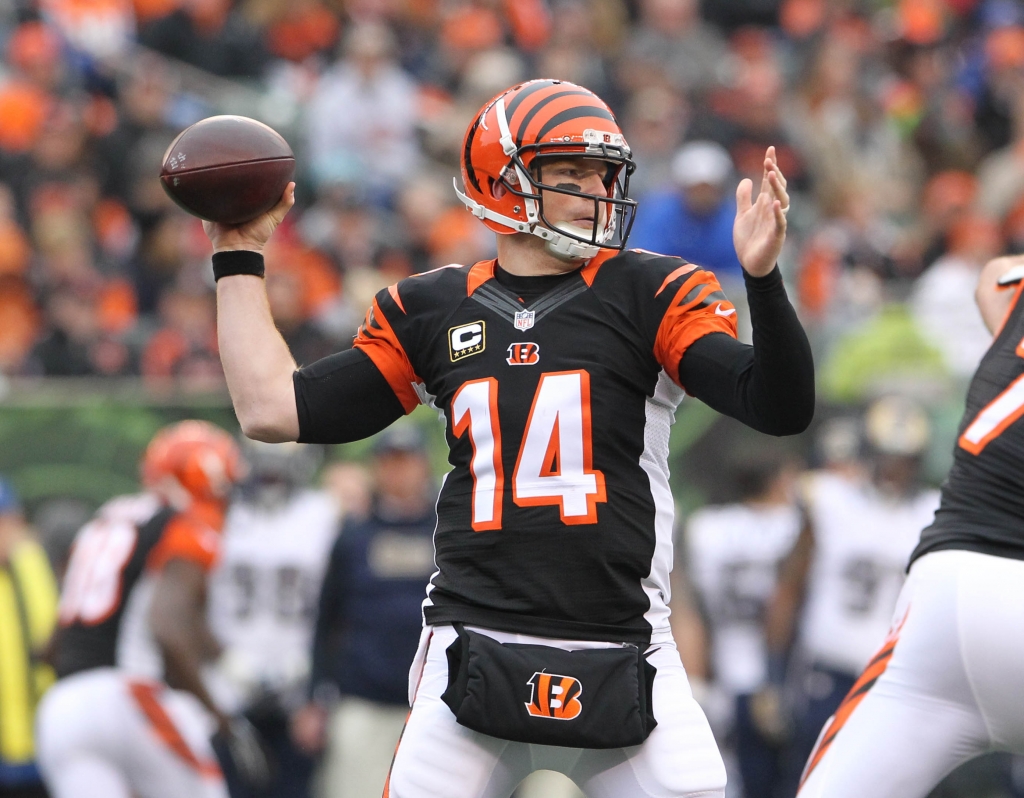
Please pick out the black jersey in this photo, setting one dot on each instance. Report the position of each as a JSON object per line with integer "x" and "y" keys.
{"x": 556, "y": 518}
{"x": 105, "y": 597}
{"x": 982, "y": 506}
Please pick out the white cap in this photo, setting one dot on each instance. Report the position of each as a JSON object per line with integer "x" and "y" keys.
{"x": 701, "y": 162}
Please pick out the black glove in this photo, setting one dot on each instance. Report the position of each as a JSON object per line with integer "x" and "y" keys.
{"x": 248, "y": 753}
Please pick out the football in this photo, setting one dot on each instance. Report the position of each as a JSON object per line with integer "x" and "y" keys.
{"x": 227, "y": 169}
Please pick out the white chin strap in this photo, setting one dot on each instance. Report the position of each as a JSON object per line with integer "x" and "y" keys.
{"x": 559, "y": 245}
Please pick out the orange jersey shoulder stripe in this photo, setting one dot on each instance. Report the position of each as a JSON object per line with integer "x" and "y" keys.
{"x": 691, "y": 316}
{"x": 186, "y": 538}
{"x": 377, "y": 339}
{"x": 479, "y": 273}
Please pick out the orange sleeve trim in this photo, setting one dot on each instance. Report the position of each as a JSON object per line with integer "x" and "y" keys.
{"x": 689, "y": 267}
{"x": 185, "y": 538}
{"x": 683, "y": 324}
{"x": 393, "y": 290}
{"x": 377, "y": 339}
{"x": 479, "y": 273}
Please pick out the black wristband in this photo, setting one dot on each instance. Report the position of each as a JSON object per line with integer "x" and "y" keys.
{"x": 237, "y": 261}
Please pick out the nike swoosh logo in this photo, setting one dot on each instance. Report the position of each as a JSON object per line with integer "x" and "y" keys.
{"x": 720, "y": 312}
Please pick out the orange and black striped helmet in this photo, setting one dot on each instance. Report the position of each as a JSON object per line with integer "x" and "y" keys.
{"x": 544, "y": 119}
{"x": 192, "y": 461}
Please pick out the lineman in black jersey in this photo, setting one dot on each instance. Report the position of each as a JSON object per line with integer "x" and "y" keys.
{"x": 557, "y": 369}
{"x": 945, "y": 687}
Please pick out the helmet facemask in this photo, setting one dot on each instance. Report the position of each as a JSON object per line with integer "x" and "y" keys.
{"x": 613, "y": 212}
{"x": 520, "y": 176}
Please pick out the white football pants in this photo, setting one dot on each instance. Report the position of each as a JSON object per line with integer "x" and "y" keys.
{"x": 947, "y": 686}
{"x": 438, "y": 758}
{"x": 102, "y": 734}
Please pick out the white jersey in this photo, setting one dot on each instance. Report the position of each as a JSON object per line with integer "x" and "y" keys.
{"x": 263, "y": 594}
{"x": 862, "y": 543}
{"x": 734, "y": 553}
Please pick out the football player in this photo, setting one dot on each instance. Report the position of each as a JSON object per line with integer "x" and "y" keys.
{"x": 840, "y": 583}
{"x": 945, "y": 686}
{"x": 262, "y": 600}
{"x": 132, "y": 626}
{"x": 734, "y": 554}
{"x": 557, "y": 368}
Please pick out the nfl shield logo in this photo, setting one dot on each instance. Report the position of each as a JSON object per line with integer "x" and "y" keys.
{"x": 524, "y": 319}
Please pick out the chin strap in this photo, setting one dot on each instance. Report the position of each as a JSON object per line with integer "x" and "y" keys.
{"x": 559, "y": 245}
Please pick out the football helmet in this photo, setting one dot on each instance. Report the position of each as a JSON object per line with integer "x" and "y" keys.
{"x": 504, "y": 146}
{"x": 192, "y": 462}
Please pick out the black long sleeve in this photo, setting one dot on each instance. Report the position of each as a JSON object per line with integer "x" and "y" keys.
{"x": 343, "y": 397}
{"x": 768, "y": 386}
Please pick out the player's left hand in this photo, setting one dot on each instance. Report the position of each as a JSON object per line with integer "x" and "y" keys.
{"x": 760, "y": 227}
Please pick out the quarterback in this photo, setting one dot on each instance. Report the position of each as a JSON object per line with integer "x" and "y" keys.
{"x": 557, "y": 369}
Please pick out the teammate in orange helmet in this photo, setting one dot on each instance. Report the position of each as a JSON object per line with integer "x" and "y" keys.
{"x": 557, "y": 368}
{"x": 130, "y": 714}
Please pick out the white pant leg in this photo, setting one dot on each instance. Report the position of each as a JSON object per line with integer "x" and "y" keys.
{"x": 438, "y": 757}
{"x": 680, "y": 758}
{"x": 92, "y": 720}
{"x": 548, "y": 784}
{"x": 949, "y": 692}
{"x": 361, "y": 741}
{"x": 88, "y": 777}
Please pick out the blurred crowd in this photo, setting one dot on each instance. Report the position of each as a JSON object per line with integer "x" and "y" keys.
{"x": 899, "y": 124}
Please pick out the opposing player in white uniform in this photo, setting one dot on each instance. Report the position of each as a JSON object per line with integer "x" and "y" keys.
{"x": 861, "y": 530}
{"x": 733, "y": 553}
{"x": 557, "y": 368}
{"x": 263, "y": 596}
{"x": 946, "y": 685}
{"x": 131, "y": 622}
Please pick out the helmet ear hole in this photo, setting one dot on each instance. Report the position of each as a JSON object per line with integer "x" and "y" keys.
{"x": 498, "y": 189}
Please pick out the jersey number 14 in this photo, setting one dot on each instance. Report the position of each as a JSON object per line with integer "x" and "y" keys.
{"x": 555, "y": 461}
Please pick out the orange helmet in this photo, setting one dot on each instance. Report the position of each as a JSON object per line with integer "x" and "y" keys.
{"x": 544, "y": 119}
{"x": 192, "y": 461}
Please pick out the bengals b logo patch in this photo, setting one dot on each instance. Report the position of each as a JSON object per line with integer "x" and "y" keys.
{"x": 554, "y": 696}
{"x": 524, "y": 354}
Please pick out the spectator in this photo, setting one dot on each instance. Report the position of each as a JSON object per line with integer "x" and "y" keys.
{"x": 360, "y": 122}
{"x": 209, "y": 35}
{"x": 694, "y": 221}
{"x": 186, "y": 345}
{"x": 28, "y": 615}
{"x": 369, "y": 622}
{"x": 262, "y": 603}
{"x": 673, "y": 45}
{"x": 952, "y": 325}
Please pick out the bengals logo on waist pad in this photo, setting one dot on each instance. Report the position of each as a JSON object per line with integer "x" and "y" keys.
{"x": 554, "y": 696}
{"x": 524, "y": 354}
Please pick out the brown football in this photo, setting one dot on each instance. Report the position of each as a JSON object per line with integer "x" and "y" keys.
{"x": 227, "y": 169}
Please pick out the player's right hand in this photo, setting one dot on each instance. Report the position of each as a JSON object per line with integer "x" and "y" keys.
{"x": 253, "y": 235}
{"x": 247, "y": 752}
{"x": 309, "y": 728}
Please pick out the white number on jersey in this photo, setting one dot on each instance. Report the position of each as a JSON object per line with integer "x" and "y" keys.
{"x": 996, "y": 416}
{"x": 92, "y": 585}
{"x": 555, "y": 461}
